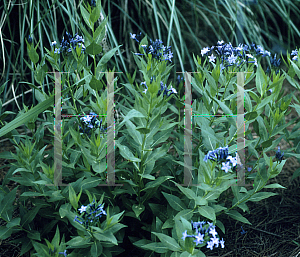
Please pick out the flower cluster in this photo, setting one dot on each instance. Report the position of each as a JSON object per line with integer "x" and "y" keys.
{"x": 156, "y": 49}
{"x": 93, "y": 3}
{"x": 29, "y": 39}
{"x": 69, "y": 42}
{"x": 278, "y": 155}
{"x": 90, "y": 122}
{"x": 238, "y": 55}
{"x": 163, "y": 88}
{"x": 220, "y": 155}
{"x": 295, "y": 54}
{"x": 91, "y": 214}
{"x": 202, "y": 232}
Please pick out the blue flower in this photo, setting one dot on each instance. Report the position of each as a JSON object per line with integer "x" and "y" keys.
{"x": 226, "y": 166}
{"x": 231, "y": 59}
{"x": 212, "y": 58}
{"x": 243, "y": 231}
{"x": 69, "y": 43}
{"x": 222, "y": 243}
{"x": 232, "y": 160}
{"x": 64, "y": 253}
{"x": 91, "y": 214}
{"x": 210, "y": 245}
{"x": 199, "y": 239}
{"x": 213, "y": 232}
{"x": 155, "y": 48}
{"x": 278, "y": 155}
{"x": 93, "y": 3}
{"x": 185, "y": 235}
{"x": 82, "y": 209}
{"x": 203, "y": 233}
{"x": 294, "y": 52}
{"x": 205, "y": 51}
{"x": 215, "y": 241}
{"x": 29, "y": 39}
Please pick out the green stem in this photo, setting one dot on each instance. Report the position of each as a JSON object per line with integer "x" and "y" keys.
{"x": 142, "y": 168}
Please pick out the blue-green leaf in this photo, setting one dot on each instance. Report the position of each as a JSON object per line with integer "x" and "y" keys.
{"x": 207, "y": 212}
{"x": 237, "y": 216}
{"x": 261, "y": 195}
{"x": 169, "y": 242}
{"x": 174, "y": 202}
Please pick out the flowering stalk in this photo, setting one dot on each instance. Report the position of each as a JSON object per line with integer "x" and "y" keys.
{"x": 90, "y": 215}
{"x": 201, "y": 234}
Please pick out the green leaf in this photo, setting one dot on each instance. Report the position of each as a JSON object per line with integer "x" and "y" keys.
{"x": 95, "y": 15}
{"x": 189, "y": 193}
{"x": 132, "y": 114}
{"x": 158, "y": 153}
{"x": 107, "y": 237}
{"x": 276, "y": 185}
{"x": 35, "y": 235}
{"x": 138, "y": 209}
{"x": 260, "y": 80}
{"x": 6, "y": 205}
{"x": 26, "y": 245}
{"x": 13, "y": 222}
{"x": 267, "y": 143}
{"x": 237, "y": 216}
{"x": 174, "y": 202}
{"x": 126, "y": 152}
{"x": 136, "y": 136}
{"x": 251, "y": 115}
{"x": 199, "y": 200}
{"x": 143, "y": 130}
{"x": 34, "y": 57}
{"x": 296, "y": 69}
{"x": 73, "y": 198}
{"x": 56, "y": 239}
{"x": 88, "y": 37}
{"x": 100, "y": 28}
{"x": 175, "y": 254}
{"x": 262, "y": 129}
{"x": 90, "y": 183}
{"x": 224, "y": 107}
{"x": 5, "y": 232}
{"x": 147, "y": 176}
{"x": 93, "y": 48}
{"x": 169, "y": 242}
{"x": 31, "y": 114}
{"x": 106, "y": 57}
{"x": 96, "y": 84}
{"x": 79, "y": 242}
{"x": 31, "y": 194}
{"x": 156, "y": 183}
{"x": 96, "y": 249}
{"x": 261, "y": 195}
{"x": 157, "y": 247}
{"x": 86, "y": 16}
{"x": 29, "y": 216}
{"x": 207, "y": 212}
{"x": 254, "y": 97}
